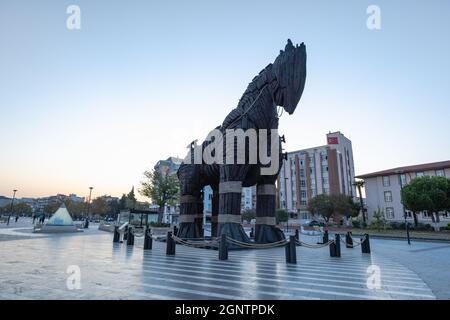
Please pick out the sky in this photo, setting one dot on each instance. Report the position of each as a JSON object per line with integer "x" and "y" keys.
{"x": 141, "y": 79}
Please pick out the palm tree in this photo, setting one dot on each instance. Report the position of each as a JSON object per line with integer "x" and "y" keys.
{"x": 359, "y": 184}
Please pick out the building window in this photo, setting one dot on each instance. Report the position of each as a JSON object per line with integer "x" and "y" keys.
{"x": 303, "y": 202}
{"x": 303, "y": 194}
{"x": 440, "y": 173}
{"x": 403, "y": 179}
{"x": 419, "y": 174}
{"x": 302, "y": 172}
{"x": 389, "y": 213}
{"x": 386, "y": 181}
{"x": 446, "y": 215}
{"x": 388, "y": 196}
{"x": 426, "y": 215}
{"x": 302, "y": 183}
{"x": 325, "y": 180}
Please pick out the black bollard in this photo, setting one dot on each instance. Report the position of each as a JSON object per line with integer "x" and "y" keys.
{"x": 175, "y": 230}
{"x": 291, "y": 252}
{"x": 338, "y": 244}
{"x": 365, "y": 246}
{"x": 252, "y": 233}
{"x": 325, "y": 237}
{"x": 116, "y": 237}
{"x": 170, "y": 248}
{"x": 125, "y": 233}
{"x": 223, "y": 247}
{"x": 148, "y": 240}
{"x": 335, "y": 247}
{"x": 297, "y": 234}
{"x": 130, "y": 237}
{"x": 348, "y": 240}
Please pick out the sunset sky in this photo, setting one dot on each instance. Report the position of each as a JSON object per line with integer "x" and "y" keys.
{"x": 141, "y": 79}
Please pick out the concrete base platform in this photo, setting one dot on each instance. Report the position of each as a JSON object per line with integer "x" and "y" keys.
{"x": 56, "y": 229}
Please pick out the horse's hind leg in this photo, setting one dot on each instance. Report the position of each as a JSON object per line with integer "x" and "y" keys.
{"x": 191, "y": 204}
{"x": 265, "y": 229}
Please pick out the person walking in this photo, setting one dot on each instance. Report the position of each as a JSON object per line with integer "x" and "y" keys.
{"x": 17, "y": 218}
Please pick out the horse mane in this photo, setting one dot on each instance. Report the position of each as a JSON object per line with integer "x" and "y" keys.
{"x": 265, "y": 77}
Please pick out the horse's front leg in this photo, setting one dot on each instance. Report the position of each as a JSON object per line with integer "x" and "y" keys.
{"x": 265, "y": 229}
{"x": 230, "y": 193}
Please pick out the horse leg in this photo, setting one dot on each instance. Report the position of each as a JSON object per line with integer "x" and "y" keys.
{"x": 265, "y": 228}
{"x": 230, "y": 192}
{"x": 191, "y": 206}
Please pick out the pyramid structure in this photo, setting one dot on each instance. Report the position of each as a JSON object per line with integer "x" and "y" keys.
{"x": 61, "y": 217}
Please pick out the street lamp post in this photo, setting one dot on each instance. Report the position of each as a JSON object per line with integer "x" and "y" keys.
{"x": 88, "y": 207}
{"x": 403, "y": 206}
{"x": 12, "y": 205}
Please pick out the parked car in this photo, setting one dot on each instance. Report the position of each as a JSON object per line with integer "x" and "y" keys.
{"x": 316, "y": 224}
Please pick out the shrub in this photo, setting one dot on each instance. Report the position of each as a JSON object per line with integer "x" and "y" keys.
{"x": 356, "y": 224}
{"x": 398, "y": 225}
{"x": 422, "y": 227}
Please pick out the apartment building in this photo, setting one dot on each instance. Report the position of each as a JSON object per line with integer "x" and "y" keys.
{"x": 383, "y": 190}
{"x": 309, "y": 172}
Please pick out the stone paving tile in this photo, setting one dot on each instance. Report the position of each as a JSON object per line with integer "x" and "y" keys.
{"x": 36, "y": 268}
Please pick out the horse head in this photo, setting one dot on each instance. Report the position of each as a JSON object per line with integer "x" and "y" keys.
{"x": 290, "y": 72}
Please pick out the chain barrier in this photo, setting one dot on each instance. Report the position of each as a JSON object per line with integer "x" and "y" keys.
{"x": 355, "y": 243}
{"x": 313, "y": 246}
{"x": 257, "y": 245}
{"x": 312, "y": 235}
{"x": 196, "y": 244}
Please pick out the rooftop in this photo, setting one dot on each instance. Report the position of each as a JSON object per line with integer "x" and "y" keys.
{"x": 405, "y": 169}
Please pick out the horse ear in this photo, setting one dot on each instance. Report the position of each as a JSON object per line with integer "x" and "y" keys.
{"x": 289, "y": 45}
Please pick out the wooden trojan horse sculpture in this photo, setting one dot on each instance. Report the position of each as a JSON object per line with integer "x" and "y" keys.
{"x": 279, "y": 84}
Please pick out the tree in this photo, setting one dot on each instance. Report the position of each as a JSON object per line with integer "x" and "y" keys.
{"x": 161, "y": 188}
{"x": 431, "y": 195}
{"x": 359, "y": 184}
{"x": 379, "y": 222}
{"x": 282, "y": 215}
{"x": 131, "y": 203}
{"x": 100, "y": 206}
{"x": 342, "y": 205}
{"x": 51, "y": 208}
{"x": 75, "y": 208}
{"x": 412, "y": 200}
{"x": 123, "y": 202}
{"x": 20, "y": 208}
{"x": 248, "y": 215}
{"x": 114, "y": 206}
{"x": 321, "y": 205}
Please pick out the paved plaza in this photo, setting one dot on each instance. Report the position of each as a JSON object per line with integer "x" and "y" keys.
{"x": 34, "y": 266}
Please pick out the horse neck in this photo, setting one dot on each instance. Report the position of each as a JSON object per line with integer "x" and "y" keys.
{"x": 263, "y": 113}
